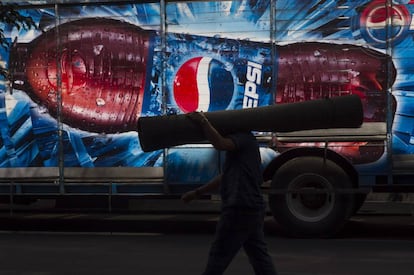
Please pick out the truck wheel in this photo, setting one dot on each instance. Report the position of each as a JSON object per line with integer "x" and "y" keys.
{"x": 305, "y": 203}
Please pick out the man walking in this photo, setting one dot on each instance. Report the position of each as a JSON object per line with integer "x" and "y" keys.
{"x": 243, "y": 208}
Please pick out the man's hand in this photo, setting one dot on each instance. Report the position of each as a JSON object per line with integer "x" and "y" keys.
{"x": 189, "y": 196}
{"x": 216, "y": 139}
{"x": 198, "y": 117}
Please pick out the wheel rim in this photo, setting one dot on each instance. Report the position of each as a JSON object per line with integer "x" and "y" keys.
{"x": 310, "y": 197}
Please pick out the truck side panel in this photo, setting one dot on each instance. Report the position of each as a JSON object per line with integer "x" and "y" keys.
{"x": 85, "y": 76}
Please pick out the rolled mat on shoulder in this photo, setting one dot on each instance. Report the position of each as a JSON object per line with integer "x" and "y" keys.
{"x": 339, "y": 112}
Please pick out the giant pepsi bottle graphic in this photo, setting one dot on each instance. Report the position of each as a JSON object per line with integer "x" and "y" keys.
{"x": 109, "y": 72}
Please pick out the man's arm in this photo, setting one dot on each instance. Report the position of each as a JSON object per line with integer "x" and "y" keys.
{"x": 217, "y": 140}
{"x": 207, "y": 188}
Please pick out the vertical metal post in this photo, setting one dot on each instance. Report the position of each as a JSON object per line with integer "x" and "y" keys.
{"x": 273, "y": 45}
{"x": 163, "y": 30}
{"x": 11, "y": 202}
{"x": 389, "y": 106}
{"x": 59, "y": 101}
{"x": 110, "y": 197}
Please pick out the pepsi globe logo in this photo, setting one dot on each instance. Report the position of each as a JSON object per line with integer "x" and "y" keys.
{"x": 203, "y": 84}
{"x": 381, "y": 24}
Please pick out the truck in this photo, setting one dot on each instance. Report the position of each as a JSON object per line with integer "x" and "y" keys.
{"x": 80, "y": 81}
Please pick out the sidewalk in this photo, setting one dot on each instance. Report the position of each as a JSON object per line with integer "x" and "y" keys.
{"x": 173, "y": 216}
{"x": 378, "y": 203}
{"x": 388, "y": 204}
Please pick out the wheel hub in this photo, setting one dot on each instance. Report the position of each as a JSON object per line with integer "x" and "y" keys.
{"x": 310, "y": 197}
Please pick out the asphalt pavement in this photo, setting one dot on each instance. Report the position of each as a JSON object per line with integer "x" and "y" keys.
{"x": 173, "y": 216}
{"x": 169, "y": 237}
{"x": 171, "y": 242}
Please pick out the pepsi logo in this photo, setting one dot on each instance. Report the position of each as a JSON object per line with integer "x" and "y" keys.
{"x": 382, "y": 24}
{"x": 203, "y": 84}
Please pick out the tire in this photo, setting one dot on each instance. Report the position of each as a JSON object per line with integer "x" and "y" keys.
{"x": 306, "y": 214}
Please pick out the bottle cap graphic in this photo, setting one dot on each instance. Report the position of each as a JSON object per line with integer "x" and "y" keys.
{"x": 203, "y": 84}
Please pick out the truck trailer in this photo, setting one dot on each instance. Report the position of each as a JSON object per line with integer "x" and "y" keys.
{"x": 83, "y": 77}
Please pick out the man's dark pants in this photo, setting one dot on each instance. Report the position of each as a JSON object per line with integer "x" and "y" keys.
{"x": 240, "y": 228}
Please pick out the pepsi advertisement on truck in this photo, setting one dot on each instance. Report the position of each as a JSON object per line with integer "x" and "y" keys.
{"x": 83, "y": 78}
